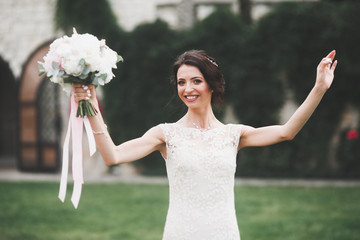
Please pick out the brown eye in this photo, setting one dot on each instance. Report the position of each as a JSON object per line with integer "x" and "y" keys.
{"x": 181, "y": 83}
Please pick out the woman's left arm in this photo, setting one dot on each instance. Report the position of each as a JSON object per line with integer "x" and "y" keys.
{"x": 273, "y": 134}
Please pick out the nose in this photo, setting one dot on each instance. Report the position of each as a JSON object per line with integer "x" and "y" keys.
{"x": 188, "y": 87}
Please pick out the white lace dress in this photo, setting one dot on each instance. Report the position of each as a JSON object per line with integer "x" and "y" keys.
{"x": 201, "y": 167}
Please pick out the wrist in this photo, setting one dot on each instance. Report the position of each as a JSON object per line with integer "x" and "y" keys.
{"x": 102, "y": 132}
{"x": 95, "y": 103}
{"x": 320, "y": 87}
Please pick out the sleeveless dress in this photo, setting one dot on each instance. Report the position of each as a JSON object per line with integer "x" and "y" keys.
{"x": 201, "y": 167}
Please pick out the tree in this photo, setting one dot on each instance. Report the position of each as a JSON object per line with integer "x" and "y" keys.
{"x": 245, "y": 10}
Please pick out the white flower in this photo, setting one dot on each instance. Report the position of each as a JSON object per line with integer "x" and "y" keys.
{"x": 75, "y": 56}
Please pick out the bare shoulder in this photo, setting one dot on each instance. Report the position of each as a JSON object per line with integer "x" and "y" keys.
{"x": 155, "y": 133}
{"x": 245, "y": 129}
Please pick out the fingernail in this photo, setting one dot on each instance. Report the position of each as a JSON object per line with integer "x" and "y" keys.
{"x": 87, "y": 98}
{"x": 85, "y": 87}
{"x": 89, "y": 94}
{"x": 88, "y": 91}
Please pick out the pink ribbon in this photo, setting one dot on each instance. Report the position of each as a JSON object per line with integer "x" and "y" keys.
{"x": 75, "y": 128}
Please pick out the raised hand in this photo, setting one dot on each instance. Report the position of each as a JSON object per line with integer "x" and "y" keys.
{"x": 84, "y": 92}
{"x": 325, "y": 70}
{"x": 85, "y": 96}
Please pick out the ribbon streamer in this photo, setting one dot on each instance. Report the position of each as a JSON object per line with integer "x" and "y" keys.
{"x": 75, "y": 128}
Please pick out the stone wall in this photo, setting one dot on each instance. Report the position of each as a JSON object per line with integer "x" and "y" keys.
{"x": 24, "y": 26}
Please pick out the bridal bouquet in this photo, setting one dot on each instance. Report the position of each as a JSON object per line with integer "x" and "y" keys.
{"x": 81, "y": 58}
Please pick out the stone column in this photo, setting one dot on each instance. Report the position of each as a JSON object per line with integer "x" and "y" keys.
{"x": 186, "y": 11}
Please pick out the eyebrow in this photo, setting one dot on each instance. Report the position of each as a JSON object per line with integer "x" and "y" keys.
{"x": 193, "y": 78}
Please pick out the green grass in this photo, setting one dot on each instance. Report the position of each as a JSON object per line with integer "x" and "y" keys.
{"x": 30, "y": 211}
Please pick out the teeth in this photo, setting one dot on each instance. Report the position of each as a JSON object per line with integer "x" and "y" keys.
{"x": 191, "y": 97}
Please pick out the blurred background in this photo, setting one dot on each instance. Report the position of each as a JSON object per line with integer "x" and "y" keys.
{"x": 268, "y": 51}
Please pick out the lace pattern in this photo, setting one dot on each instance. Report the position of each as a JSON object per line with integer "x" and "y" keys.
{"x": 201, "y": 167}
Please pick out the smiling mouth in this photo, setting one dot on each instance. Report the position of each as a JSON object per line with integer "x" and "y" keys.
{"x": 191, "y": 98}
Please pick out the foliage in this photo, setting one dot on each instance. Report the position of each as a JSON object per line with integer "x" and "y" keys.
{"x": 96, "y": 18}
{"x": 306, "y": 34}
{"x": 279, "y": 52}
{"x": 221, "y": 35}
{"x": 259, "y": 91}
{"x": 349, "y": 153}
{"x": 142, "y": 97}
{"x": 142, "y": 94}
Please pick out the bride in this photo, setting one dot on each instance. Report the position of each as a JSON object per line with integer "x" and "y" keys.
{"x": 199, "y": 150}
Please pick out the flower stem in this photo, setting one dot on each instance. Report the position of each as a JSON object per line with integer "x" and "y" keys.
{"x": 85, "y": 108}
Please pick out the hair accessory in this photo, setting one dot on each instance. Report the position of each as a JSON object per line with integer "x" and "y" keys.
{"x": 213, "y": 62}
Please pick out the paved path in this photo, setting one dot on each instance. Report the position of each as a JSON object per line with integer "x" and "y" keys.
{"x": 14, "y": 175}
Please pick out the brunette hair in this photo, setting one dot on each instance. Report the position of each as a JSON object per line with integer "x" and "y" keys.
{"x": 209, "y": 69}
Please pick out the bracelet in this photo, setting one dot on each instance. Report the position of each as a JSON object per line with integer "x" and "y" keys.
{"x": 102, "y": 132}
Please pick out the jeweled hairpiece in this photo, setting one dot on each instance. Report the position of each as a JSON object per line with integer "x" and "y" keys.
{"x": 213, "y": 62}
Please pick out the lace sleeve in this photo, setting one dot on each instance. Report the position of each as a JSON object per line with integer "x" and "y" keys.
{"x": 235, "y": 133}
{"x": 164, "y": 129}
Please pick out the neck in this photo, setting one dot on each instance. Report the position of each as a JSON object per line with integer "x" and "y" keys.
{"x": 200, "y": 118}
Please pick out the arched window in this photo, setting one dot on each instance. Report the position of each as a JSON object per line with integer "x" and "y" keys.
{"x": 39, "y": 118}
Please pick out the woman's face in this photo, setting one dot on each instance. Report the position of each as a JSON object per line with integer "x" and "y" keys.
{"x": 192, "y": 88}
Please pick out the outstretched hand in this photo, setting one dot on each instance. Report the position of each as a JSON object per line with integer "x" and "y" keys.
{"x": 325, "y": 70}
{"x": 84, "y": 92}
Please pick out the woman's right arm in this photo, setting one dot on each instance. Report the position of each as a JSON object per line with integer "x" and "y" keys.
{"x": 128, "y": 151}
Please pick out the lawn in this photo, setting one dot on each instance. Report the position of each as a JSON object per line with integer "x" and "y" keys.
{"x": 31, "y": 210}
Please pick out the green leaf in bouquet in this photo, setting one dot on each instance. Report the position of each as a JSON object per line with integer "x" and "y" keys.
{"x": 83, "y": 76}
{"x": 119, "y": 58}
{"x": 72, "y": 79}
{"x": 41, "y": 67}
{"x": 55, "y": 65}
{"x": 103, "y": 76}
{"x": 95, "y": 81}
{"x": 93, "y": 78}
{"x": 100, "y": 79}
{"x": 80, "y": 68}
{"x": 86, "y": 70}
{"x": 82, "y": 62}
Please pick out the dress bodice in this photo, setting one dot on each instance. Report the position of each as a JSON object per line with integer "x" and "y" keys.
{"x": 201, "y": 167}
